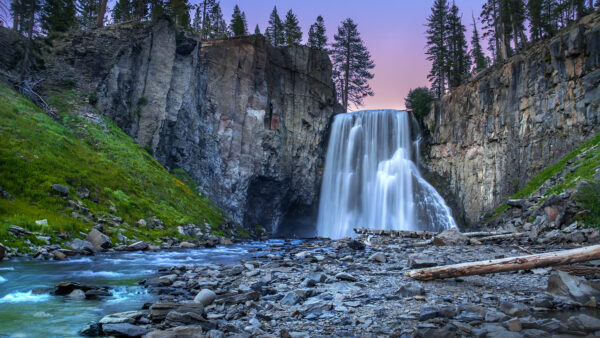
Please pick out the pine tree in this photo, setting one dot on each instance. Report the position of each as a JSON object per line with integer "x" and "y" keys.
{"x": 58, "y": 16}
{"x": 179, "y": 11}
{"x": 477, "y": 52}
{"x": 257, "y": 30}
{"x": 238, "y": 25}
{"x": 459, "y": 62}
{"x": 316, "y": 35}
{"x": 516, "y": 8}
{"x": 437, "y": 50}
{"x": 275, "y": 31}
{"x": 419, "y": 100}
{"x": 293, "y": 34}
{"x": 352, "y": 65}
{"x": 197, "y": 21}
{"x": 122, "y": 11}
{"x": 88, "y": 13}
{"x": 101, "y": 13}
{"x": 216, "y": 27}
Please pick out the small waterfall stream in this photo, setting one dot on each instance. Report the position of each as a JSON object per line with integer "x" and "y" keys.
{"x": 370, "y": 179}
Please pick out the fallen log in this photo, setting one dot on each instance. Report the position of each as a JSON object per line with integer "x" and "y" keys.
{"x": 502, "y": 237}
{"x": 508, "y": 264}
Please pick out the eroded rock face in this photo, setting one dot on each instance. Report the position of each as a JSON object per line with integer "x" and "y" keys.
{"x": 245, "y": 119}
{"x": 494, "y": 134}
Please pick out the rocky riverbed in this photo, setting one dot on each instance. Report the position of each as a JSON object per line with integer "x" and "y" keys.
{"x": 358, "y": 288}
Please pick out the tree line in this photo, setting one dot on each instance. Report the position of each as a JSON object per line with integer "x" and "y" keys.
{"x": 504, "y": 23}
{"x": 352, "y": 63}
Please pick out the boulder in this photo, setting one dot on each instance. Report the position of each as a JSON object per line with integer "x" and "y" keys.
{"x": 378, "y": 257}
{"x": 122, "y": 317}
{"x": 291, "y": 298}
{"x": 123, "y": 330}
{"x": 18, "y": 231}
{"x": 574, "y": 289}
{"x": 77, "y": 294}
{"x": 81, "y": 245}
{"x": 187, "y": 245}
{"x": 583, "y": 322}
{"x": 345, "y": 276}
{"x": 451, "y": 237}
{"x": 3, "y": 251}
{"x": 59, "y": 256}
{"x": 62, "y": 190}
{"x": 99, "y": 240}
{"x": 191, "y": 331}
{"x": 205, "y": 297}
{"x": 91, "y": 329}
{"x": 356, "y": 245}
{"x": 159, "y": 311}
{"x": 137, "y": 246}
{"x": 421, "y": 261}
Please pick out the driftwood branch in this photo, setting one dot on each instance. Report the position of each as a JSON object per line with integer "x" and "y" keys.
{"x": 508, "y": 264}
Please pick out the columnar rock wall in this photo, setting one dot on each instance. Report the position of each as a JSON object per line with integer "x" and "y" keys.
{"x": 491, "y": 136}
{"x": 245, "y": 119}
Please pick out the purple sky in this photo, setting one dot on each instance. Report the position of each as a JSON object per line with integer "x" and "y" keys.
{"x": 393, "y": 30}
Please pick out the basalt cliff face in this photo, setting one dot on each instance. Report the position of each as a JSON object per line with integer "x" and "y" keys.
{"x": 246, "y": 120}
{"x": 490, "y": 136}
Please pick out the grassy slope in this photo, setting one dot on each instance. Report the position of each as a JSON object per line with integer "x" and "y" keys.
{"x": 37, "y": 151}
{"x": 589, "y": 159}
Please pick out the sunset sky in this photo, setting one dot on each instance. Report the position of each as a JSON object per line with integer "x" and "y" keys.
{"x": 393, "y": 30}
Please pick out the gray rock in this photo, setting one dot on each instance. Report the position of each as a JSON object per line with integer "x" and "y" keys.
{"x": 573, "y": 289}
{"x": 18, "y": 231}
{"x": 159, "y": 311}
{"x": 77, "y": 294}
{"x": 345, "y": 276}
{"x": 378, "y": 257}
{"x": 91, "y": 329}
{"x": 514, "y": 325}
{"x": 59, "y": 256}
{"x": 191, "y": 331}
{"x": 138, "y": 246}
{"x": 99, "y": 240}
{"x": 205, "y": 297}
{"x": 121, "y": 317}
{"x": 4, "y": 194}
{"x": 61, "y": 189}
{"x": 421, "y": 261}
{"x": 450, "y": 237}
{"x": 291, "y": 298}
{"x": 3, "y": 251}
{"x": 583, "y": 322}
{"x": 514, "y": 309}
{"x": 124, "y": 330}
{"x": 428, "y": 313}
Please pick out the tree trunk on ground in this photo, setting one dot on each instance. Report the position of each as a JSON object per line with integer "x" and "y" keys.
{"x": 508, "y": 264}
{"x": 101, "y": 12}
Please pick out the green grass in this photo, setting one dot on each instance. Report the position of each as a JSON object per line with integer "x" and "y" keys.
{"x": 37, "y": 151}
{"x": 586, "y": 168}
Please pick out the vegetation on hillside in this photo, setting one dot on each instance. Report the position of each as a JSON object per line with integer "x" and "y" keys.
{"x": 91, "y": 156}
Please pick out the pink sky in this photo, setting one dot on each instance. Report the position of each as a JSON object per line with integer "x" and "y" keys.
{"x": 393, "y": 30}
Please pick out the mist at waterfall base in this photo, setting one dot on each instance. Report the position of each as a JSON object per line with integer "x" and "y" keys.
{"x": 371, "y": 179}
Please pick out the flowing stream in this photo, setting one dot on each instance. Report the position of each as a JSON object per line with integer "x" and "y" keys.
{"x": 28, "y": 310}
{"x": 371, "y": 179}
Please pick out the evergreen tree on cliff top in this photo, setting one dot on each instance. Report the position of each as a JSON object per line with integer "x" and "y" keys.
{"x": 316, "y": 35}
{"x": 477, "y": 52}
{"x": 419, "y": 100}
{"x": 437, "y": 51}
{"x": 275, "y": 31}
{"x": 352, "y": 65}
{"x": 257, "y": 30}
{"x": 58, "y": 16}
{"x": 238, "y": 25}
{"x": 293, "y": 34}
{"x": 459, "y": 61}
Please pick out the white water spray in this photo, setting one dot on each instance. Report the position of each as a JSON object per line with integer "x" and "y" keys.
{"x": 371, "y": 181}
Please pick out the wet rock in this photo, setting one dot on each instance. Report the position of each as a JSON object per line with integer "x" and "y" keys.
{"x": 97, "y": 294}
{"x": 167, "y": 279}
{"x": 378, "y": 257}
{"x": 65, "y": 288}
{"x": 60, "y": 189}
{"x": 124, "y": 330}
{"x": 82, "y": 245}
{"x": 91, "y": 329}
{"x": 574, "y": 289}
{"x": 583, "y": 322}
{"x": 451, "y": 237}
{"x": 121, "y": 317}
{"x": 137, "y": 246}
{"x": 514, "y": 309}
{"x": 191, "y": 331}
{"x": 159, "y": 311}
{"x": 356, "y": 245}
{"x": 187, "y": 245}
{"x": 99, "y": 240}
{"x": 59, "y": 256}
{"x": 77, "y": 294}
{"x": 3, "y": 251}
{"x": 205, "y": 297}
{"x": 291, "y": 298}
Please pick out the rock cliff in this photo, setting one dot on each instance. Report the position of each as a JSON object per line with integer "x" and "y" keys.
{"x": 490, "y": 136}
{"x": 246, "y": 120}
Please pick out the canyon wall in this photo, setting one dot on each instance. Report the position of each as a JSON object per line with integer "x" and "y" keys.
{"x": 492, "y": 135}
{"x": 246, "y": 120}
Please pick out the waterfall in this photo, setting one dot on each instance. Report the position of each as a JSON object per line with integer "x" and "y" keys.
{"x": 370, "y": 179}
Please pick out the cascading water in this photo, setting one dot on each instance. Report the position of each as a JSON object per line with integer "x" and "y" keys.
{"x": 371, "y": 181}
